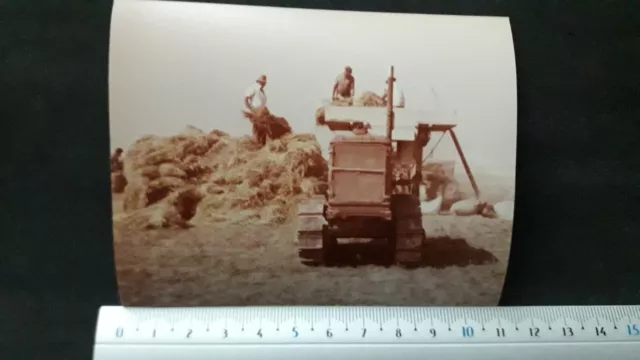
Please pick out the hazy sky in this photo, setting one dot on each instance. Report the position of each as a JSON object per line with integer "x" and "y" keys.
{"x": 174, "y": 64}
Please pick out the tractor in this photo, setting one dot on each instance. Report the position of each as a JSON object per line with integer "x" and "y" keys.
{"x": 373, "y": 186}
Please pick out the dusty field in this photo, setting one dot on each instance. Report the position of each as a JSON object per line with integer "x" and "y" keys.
{"x": 206, "y": 219}
{"x": 210, "y": 265}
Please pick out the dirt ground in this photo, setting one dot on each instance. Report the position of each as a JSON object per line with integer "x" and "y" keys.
{"x": 245, "y": 264}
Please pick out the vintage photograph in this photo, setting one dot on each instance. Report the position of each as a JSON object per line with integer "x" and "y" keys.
{"x": 249, "y": 167}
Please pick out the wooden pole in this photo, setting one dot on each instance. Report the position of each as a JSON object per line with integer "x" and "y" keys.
{"x": 390, "y": 114}
{"x": 467, "y": 169}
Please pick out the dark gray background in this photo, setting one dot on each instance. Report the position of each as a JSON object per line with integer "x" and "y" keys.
{"x": 577, "y": 226}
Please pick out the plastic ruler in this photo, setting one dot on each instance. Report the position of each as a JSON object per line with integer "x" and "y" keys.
{"x": 372, "y": 333}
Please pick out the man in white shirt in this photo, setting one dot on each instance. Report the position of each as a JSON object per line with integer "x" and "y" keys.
{"x": 255, "y": 101}
{"x": 398, "y": 94}
{"x": 255, "y": 98}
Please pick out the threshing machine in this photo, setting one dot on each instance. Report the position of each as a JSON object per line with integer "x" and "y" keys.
{"x": 373, "y": 186}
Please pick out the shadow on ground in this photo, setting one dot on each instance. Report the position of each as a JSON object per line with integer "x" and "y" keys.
{"x": 444, "y": 251}
{"x": 439, "y": 252}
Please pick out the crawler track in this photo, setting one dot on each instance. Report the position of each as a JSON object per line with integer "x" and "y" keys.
{"x": 409, "y": 234}
{"x": 405, "y": 243}
{"x": 311, "y": 222}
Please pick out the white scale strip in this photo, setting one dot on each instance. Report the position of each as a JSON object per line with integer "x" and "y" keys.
{"x": 368, "y": 333}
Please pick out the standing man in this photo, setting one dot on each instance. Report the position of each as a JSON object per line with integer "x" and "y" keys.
{"x": 398, "y": 95}
{"x": 344, "y": 87}
{"x": 116, "y": 161}
{"x": 255, "y": 101}
{"x": 255, "y": 98}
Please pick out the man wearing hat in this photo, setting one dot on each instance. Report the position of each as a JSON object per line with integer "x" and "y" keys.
{"x": 344, "y": 87}
{"x": 255, "y": 98}
{"x": 255, "y": 102}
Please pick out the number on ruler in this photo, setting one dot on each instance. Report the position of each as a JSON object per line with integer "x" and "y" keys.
{"x": 295, "y": 332}
{"x": 632, "y": 330}
{"x": 259, "y": 333}
{"x": 225, "y": 333}
{"x": 329, "y": 333}
{"x": 600, "y": 331}
{"x": 189, "y": 332}
{"x": 119, "y": 332}
{"x": 567, "y": 331}
{"x": 364, "y": 332}
{"x": 501, "y": 332}
{"x": 432, "y": 332}
{"x": 398, "y": 333}
{"x": 534, "y": 332}
{"x": 467, "y": 331}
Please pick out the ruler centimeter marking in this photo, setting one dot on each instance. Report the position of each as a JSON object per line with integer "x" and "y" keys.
{"x": 372, "y": 333}
{"x": 285, "y": 325}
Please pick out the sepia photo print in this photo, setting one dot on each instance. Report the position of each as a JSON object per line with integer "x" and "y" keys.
{"x": 276, "y": 156}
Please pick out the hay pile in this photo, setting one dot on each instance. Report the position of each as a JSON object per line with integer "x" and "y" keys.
{"x": 118, "y": 182}
{"x": 274, "y": 127}
{"x": 195, "y": 177}
{"x": 368, "y": 99}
